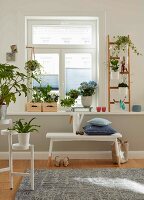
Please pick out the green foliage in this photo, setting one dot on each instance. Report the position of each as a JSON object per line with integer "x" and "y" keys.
{"x": 73, "y": 93}
{"x": 37, "y": 96}
{"x": 121, "y": 43}
{"x": 67, "y": 102}
{"x": 114, "y": 64}
{"x": 122, "y": 84}
{"x": 11, "y": 83}
{"x": 32, "y": 65}
{"x": 24, "y": 127}
{"x": 87, "y": 88}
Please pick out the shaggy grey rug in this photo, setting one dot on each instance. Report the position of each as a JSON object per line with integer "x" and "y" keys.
{"x": 84, "y": 184}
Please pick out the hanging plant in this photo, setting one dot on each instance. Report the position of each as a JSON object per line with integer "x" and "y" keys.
{"x": 121, "y": 43}
{"x": 33, "y": 65}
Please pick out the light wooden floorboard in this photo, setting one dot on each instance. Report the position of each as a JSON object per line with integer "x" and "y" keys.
{"x": 22, "y": 165}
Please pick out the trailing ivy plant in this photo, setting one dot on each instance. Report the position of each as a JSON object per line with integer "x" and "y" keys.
{"x": 121, "y": 43}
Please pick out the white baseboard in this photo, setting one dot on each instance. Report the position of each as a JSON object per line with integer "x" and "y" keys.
{"x": 71, "y": 154}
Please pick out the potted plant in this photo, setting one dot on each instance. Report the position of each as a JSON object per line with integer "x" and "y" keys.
{"x": 123, "y": 90}
{"x": 121, "y": 43}
{"x": 24, "y": 129}
{"x": 49, "y": 99}
{"x": 35, "y": 104}
{"x": 87, "y": 89}
{"x": 11, "y": 84}
{"x": 114, "y": 64}
{"x": 73, "y": 93}
{"x": 33, "y": 65}
{"x": 67, "y": 103}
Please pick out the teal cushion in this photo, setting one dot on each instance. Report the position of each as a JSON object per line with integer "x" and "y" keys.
{"x": 99, "y": 122}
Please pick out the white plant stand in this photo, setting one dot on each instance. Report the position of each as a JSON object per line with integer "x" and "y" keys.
{"x": 77, "y": 120}
{"x": 16, "y": 147}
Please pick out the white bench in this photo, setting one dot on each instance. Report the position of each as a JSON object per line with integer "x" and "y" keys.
{"x": 59, "y": 137}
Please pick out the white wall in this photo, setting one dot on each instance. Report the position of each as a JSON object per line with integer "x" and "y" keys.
{"x": 116, "y": 18}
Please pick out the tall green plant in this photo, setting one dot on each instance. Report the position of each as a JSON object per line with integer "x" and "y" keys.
{"x": 12, "y": 82}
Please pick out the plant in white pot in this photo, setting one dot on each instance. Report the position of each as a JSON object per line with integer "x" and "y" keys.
{"x": 123, "y": 90}
{"x": 67, "y": 103}
{"x": 114, "y": 64}
{"x": 24, "y": 129}
{"x": 87, "y": 89}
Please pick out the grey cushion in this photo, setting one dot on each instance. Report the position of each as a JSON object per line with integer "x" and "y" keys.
{"x": 99, "y": 121}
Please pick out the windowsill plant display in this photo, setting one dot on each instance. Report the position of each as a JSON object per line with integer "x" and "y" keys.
{"x": 35, "y": 105}
{"x": 49, "y": 99}
{"x": 12, "y": 82}
{"x": 86, "y": 90}
{"x": 24, "y": 128}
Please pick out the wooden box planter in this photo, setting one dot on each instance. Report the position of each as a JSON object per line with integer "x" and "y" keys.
{"x": 34, "y": 107}
{"x": 49, "y": 107}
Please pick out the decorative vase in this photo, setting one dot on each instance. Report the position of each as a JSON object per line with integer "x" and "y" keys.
{"x": 3, "y": 111}
{"x": 23, "y": 139}
{"x": 86, "y": 101}
{"x": 123, "y": 91}
{"x": 114, "y": 75}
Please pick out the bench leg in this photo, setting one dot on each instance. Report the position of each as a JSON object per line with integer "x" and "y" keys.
{"x": 117, "y": 151}
{"x": 50, "y": 153}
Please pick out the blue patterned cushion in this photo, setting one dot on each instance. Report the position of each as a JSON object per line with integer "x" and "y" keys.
{"x": 91, "y": 129}
{"x": 99, "y": 121}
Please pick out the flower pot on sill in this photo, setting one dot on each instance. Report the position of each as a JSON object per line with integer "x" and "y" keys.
{"x": 86, "y": 101}
{"x": 114, "y": 75}
{"x": 33, "y": 107}
{"x": 23, "y": 139}
{"x": 49, "y": 107}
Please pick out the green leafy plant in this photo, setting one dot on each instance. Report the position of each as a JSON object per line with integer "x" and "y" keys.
{"x": 12, "y": 82}
{"x": 121, "y": 43}
{"x": 73, "y": 93}
{"x": 67, "y": 102}
{"x": 122, "y": 84}
{"x": 47, "y": 96}
{"x": 32, "y": 65}
{"x": 87, "y": 88}
{"x": 37, "y": 95}
{"x": 114, "y": 64}
{"x": 22, "y": 126}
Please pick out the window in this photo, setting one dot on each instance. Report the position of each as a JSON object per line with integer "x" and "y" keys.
{"x": 67, "y": 50}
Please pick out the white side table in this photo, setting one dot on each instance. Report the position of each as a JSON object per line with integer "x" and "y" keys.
{"x": 7, "y": 123}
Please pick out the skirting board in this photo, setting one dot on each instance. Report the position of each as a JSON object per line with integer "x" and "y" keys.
{"x": 71, "y": 154}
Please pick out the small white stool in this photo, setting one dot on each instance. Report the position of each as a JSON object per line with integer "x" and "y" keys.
{"x": 17, "y": 147}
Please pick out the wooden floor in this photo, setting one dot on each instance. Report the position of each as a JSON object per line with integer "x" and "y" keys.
{"x": 22, "y": 165}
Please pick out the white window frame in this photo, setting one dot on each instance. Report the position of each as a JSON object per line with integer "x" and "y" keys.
{"x": 62, "y": 49}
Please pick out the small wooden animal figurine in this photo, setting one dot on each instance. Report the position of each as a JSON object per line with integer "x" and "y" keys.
{"x": 123, "y": 68}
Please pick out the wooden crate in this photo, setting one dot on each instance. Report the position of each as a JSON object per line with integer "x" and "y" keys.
{"x": 34, "y": 107}
{"x": 49, "y": 107}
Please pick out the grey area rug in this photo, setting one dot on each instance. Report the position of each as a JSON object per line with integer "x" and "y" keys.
{"x": 84, "y": 184}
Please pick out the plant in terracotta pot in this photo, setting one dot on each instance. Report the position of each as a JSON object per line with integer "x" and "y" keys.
{"x": 12, "y": 82}
{"x": 24, "y": 128}
{"x": 87, "y": 89}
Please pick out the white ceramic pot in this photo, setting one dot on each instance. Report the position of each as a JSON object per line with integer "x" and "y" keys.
{"x": 23, "y": 139}
{"x": 86, "y": 101}
{"x": 3, "y": 111}
{"x": 114, "y": 75}
{"x": 123, "y": 91}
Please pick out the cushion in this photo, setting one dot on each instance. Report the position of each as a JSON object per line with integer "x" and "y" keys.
{"x": 99, "y": 121}
{"x": 91, "y": 129}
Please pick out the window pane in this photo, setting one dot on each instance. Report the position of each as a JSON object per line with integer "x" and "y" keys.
{"x": 78, "y": 60}
{"x": 50, "y": 70}
{"x": 62, "y": 34}
{"x": 75, "y": 76}
{"x": 78, "y": 69}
